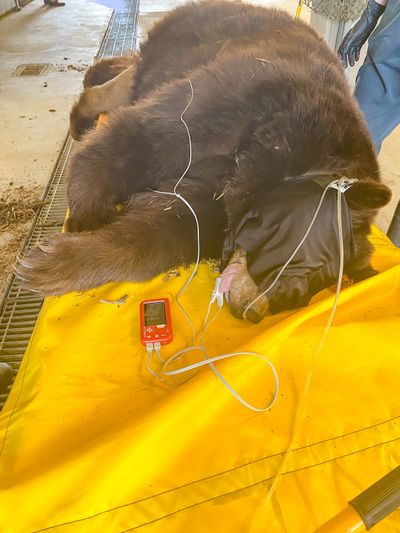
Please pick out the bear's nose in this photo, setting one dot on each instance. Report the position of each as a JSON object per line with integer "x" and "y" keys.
{"x": 253, "y": 316}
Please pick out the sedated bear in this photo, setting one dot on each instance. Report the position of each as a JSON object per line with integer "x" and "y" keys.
{"x": 270, "y": 105}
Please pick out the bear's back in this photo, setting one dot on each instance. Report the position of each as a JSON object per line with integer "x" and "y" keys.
{"x": 196, "y": 34}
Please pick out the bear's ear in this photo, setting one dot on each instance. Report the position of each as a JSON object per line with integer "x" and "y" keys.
{"x": 368, "y": 195}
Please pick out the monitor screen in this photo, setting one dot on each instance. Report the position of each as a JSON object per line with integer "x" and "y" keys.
{"x": 154, "y": 314}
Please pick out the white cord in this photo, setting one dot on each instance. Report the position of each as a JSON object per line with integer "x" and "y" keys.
{"x": 293, "y": 254}
{"x": 189, "y": 137}
{"x": 177, "y": 195}
{"x": 211, "y": 360}
{"x": 301, "y": 407}
{"x": 196, "y": 265}
{"x": 341, "y": 186}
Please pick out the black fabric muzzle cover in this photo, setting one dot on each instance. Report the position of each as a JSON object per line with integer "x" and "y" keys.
{"x": 271, "y": 230}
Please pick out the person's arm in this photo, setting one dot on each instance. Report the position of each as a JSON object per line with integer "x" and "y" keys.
{"x": 349, "y": 50}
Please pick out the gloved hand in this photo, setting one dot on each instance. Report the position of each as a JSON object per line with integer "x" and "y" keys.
{"x": 349, "y": 50}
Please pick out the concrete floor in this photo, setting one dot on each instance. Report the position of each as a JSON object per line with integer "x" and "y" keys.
{"x": 34, "y": 110}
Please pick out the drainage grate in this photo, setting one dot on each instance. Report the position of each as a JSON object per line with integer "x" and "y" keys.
{"x": 19, "y": 309}
{"x": 31, "y": 69}
{"x": 121, "y": 35}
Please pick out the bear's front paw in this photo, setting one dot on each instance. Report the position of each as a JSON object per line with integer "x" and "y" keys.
{"x": 52, "y": 268}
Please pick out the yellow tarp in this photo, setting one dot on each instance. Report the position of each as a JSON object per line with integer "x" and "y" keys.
{"x": 92, "y": 443}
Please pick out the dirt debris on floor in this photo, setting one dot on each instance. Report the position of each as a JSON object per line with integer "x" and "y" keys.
{"x": 65, "y": 68}
{"x": 18, "y": 207}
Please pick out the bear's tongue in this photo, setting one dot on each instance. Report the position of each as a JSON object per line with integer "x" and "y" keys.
{"x": 227, "y": 277}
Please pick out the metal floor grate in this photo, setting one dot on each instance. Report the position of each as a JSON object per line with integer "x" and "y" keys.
{"x": 122, "y": 34}
{"x": 19, "y": 309}
{"x": 31, "y": 69}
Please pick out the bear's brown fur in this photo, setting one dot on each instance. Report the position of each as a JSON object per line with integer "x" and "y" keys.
{"x": 271, "y": 103}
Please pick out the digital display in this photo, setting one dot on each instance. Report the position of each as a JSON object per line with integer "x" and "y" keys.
{"x": 154, "y": 314}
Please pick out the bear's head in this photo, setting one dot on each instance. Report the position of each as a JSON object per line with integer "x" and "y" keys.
{"x": 269, "y": 233}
